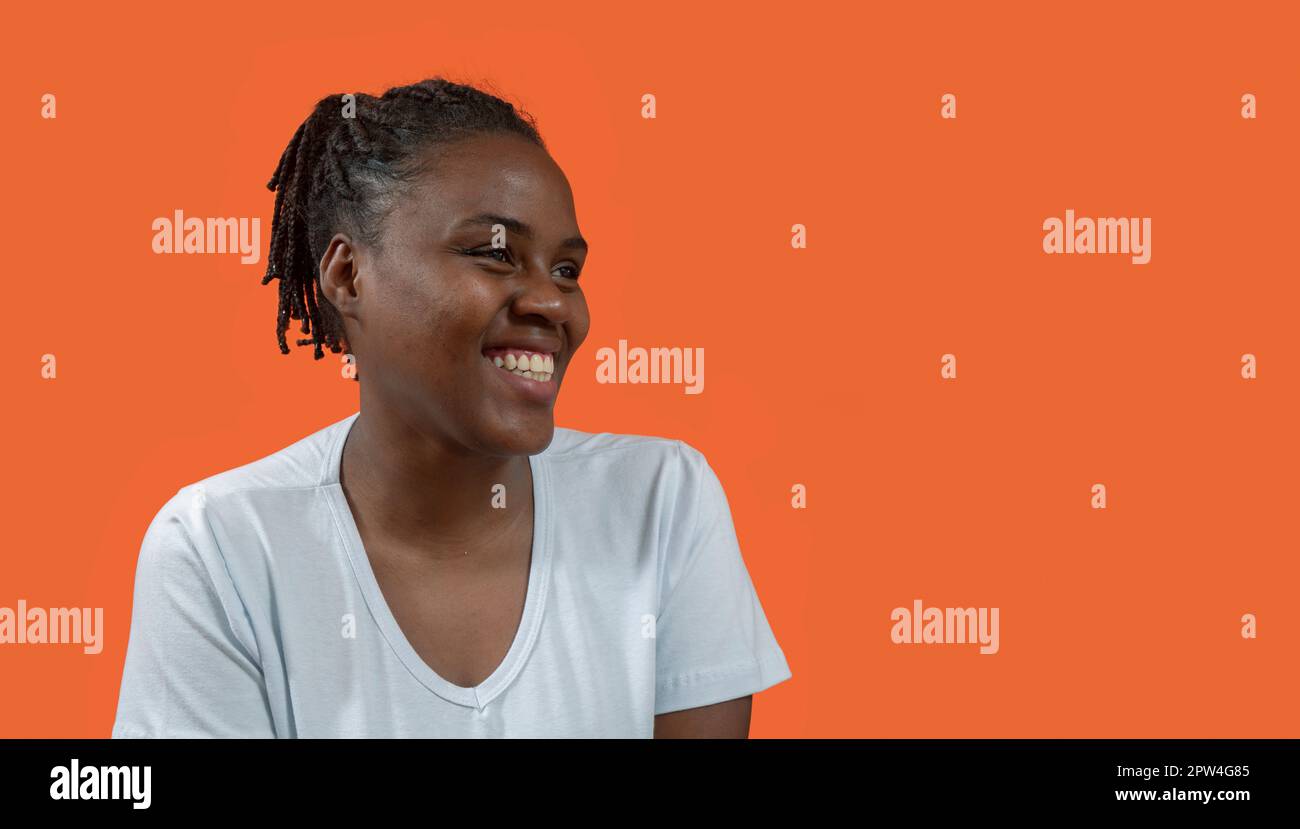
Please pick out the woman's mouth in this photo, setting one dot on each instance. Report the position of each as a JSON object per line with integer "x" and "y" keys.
{"x": 536, "y": 366}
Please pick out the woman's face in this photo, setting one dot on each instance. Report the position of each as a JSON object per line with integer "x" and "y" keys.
{"x": 432, "y": 309}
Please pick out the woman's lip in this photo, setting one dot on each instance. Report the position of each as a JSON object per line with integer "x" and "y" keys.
{"x": 531, "y": 349}
{"x": 539, "y": 392}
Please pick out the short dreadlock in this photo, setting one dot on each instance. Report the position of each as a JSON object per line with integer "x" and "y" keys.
{"x": 341, "y": 173}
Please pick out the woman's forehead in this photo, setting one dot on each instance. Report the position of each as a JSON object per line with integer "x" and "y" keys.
{"x": 493, "y": 159}
{"x": 525, "y": 186}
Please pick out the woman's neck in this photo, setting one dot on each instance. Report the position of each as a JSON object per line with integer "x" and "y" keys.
{"x": 412, "y": 488}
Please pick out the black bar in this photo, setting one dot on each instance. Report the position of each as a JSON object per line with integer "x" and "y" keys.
{"x": 244, "y": 778}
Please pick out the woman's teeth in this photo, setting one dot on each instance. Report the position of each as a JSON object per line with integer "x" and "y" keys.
{"x": 528, "y": 364}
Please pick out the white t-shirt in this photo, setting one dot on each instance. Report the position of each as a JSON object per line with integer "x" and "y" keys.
{"x": 257, "y": 613}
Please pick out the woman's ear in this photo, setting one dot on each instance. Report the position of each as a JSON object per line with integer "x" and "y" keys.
{"x": 339, "y": 272}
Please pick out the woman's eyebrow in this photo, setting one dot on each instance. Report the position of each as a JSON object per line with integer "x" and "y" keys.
{"x": 516, "y": 226}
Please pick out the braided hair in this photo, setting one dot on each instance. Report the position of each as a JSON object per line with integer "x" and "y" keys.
{"x": 343, "y": 171}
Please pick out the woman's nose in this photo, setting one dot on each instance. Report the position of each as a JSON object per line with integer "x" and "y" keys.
{"x": 538, "y": 294}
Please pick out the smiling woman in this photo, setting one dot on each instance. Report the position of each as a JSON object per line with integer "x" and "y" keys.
{"x": 445, "y": 562}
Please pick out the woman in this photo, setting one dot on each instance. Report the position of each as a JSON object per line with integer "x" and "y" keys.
{"x": 445, "y": 562}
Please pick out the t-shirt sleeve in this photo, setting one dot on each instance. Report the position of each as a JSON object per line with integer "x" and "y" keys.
{"x": 713, "y": 642}
{"x": 192, "y": 667}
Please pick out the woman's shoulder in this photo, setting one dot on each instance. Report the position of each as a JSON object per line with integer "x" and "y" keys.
{"x": 300, "y": 465}
{"x": 592, "y": 453}
{"x": 193, "y": 527}
{"x": 575, "y": 444}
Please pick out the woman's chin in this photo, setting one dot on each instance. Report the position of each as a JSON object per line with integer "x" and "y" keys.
{"x": 521, "y": 439}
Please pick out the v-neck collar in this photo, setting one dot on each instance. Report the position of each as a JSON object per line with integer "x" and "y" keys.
{"x": 534, "y": 601}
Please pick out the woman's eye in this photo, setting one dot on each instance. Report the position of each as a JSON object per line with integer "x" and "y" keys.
{"x": 492, "y": 252}
{"x": 503, "y": 255}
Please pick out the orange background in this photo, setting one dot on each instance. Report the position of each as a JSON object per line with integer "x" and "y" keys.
{"x": 822, "y": 365}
